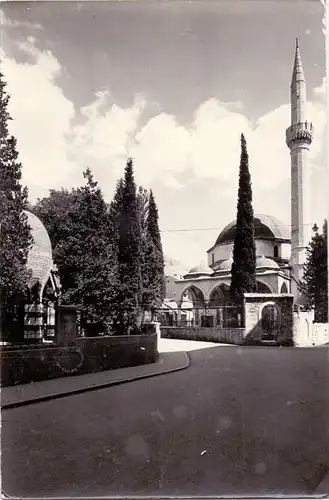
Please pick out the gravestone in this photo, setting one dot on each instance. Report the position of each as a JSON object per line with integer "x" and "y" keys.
{"x": 66, "y": 325}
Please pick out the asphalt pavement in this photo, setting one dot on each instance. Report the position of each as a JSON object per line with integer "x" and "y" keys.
{"x": 237, "y": 421}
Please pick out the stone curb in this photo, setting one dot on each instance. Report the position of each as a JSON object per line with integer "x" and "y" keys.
{"x": 62, "y": 394}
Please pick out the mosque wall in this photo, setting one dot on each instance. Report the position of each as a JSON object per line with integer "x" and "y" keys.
{"x": 263, "y": 247}
{"x": 285, "y": 251}
{"x": 221, "y": 252}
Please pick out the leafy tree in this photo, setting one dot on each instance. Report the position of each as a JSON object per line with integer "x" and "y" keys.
{"x": 15, "y": 233}
{"x": 244, "y": 253}
{"x": 78, "y": 225}
{"x": 154, "y": 285}
{"x": 314, "y": 285}
{"x": 126, "y": 230}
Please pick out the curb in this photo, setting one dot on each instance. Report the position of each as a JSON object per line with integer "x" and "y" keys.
{"x": 49, "y": 397}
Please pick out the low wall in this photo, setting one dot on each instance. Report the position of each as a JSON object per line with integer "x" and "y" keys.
{"x": 320, "y": 334}
{"x": 218, "y": 335}
{"x": 87, "y": 355}
{"x": 302, "y": 328}
{"x": 306, "y": 332}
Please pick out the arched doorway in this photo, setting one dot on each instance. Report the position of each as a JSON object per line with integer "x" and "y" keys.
{"x": 194, "y": 295}
{"x": 219, "y": 295}
{"x": 191, "y": 307}
{"x": 218, "y": 310}
{"x": 270, "y": 323}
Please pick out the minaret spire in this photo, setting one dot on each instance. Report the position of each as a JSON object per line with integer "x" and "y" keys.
{"x": 298, "y": 72}
{"x": 299, "y": 138}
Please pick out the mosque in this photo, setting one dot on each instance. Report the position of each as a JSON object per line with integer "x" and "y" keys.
{"x": 280, "y": 249}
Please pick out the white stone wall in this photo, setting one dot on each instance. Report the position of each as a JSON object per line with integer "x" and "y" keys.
{"x": 264, "y": 247}
{"x": 320, "y": 334}
{"x": 307, "y": 333}
{"x": 285, "y": 250}
{"x": 302, "y": 328}
{"x": 221, "y": 252}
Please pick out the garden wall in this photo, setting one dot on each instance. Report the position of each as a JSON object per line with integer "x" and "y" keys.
{"x": 320, "y": 334}
{"x": 218, "y": 335}
{"x": 86, "y": 355}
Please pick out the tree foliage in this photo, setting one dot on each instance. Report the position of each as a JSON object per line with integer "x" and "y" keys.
{"x": 154, "y": 285}
{"x": 15, "y": 233}
{"x": 78, "y": 226}
{"x": 127, "y": 242}
{"x": 109, "y": 258}
{"x": 314, "y": 285}
{"x": 244, "y": 253}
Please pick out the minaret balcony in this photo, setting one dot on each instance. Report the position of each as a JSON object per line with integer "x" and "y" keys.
{"x": 301, "y": 132}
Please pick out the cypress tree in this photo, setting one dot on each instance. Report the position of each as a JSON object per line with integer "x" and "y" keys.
{"x": 154, "y": 288}
{"x": 15, "y": 233}
{"x": 143, "y": 206}
{"x": 243, "y": 271}
{"x": 314, "y": 284}
{"x": 127, "y": 229}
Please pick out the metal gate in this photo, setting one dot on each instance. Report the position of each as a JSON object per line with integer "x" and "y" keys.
{"x": 270, "y": 323}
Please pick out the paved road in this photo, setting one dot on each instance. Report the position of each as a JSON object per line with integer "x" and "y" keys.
{"x": 237, "y": 421}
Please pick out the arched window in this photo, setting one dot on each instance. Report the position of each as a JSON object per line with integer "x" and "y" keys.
{"x": 261, "y": 288}
{"x": 276, "y": 251}
{"x": 213, "y": 258}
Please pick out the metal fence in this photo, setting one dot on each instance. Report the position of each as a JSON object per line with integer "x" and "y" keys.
{"x": 226, "y": 316}
{"x": 27, "y": 322}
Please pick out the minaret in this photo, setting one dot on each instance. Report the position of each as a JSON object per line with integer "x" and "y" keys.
{"x": 299, "y": 138}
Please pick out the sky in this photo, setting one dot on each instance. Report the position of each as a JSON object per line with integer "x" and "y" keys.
{"x": 172, "y": 84}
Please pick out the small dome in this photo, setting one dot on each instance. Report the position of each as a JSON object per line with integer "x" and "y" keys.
{"x": 266, "y": 262}
{"x": 200, "y": 269}
{"x": 226, "y": 265}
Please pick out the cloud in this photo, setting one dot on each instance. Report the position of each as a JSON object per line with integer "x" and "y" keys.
{"x": 56, "y": 141}
{"x": 9, "y": 23}
{"x": 41, "y": 117}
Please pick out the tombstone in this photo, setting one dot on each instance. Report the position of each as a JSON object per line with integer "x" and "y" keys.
{"x": 66, "y": 325}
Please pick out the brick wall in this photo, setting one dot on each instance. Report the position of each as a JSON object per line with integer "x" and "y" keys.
{"x": 87, "y": 355}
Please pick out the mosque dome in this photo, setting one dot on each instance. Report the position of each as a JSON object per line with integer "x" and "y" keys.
{"x": 266, "y": 262}
{"x": 39, "y": 258}
{"x": 200, "y": 270}
{"x": 266, "y": 227}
